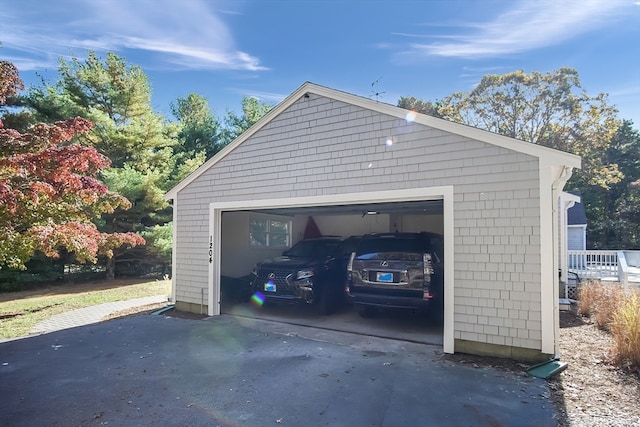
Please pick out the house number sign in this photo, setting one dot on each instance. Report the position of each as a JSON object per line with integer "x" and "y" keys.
{"x": 210, "y": 249}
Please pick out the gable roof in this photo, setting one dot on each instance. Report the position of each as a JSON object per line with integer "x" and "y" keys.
{"x": 547, "y": 156}
{"x": 576, "y": 214}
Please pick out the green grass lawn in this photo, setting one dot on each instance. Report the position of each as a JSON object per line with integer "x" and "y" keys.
{"x": 21, "y": 311}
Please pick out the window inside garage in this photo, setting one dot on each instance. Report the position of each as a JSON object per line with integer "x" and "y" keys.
{"x": 265, "y": 231}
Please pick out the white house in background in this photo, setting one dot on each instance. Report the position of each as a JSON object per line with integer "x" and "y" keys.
{"x": 333, "y": 155}
{"x": 573, "y": 231}
{"x": 577, "y": 227}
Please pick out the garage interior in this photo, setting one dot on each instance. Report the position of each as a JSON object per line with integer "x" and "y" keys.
{"x": 336, "y": 220}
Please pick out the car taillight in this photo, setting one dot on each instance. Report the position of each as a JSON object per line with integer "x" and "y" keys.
{"x": 427, "y": 266}
{"x": 350, "y": 263}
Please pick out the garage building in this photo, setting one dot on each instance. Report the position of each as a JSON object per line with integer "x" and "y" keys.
{"x": 355, "y": 166}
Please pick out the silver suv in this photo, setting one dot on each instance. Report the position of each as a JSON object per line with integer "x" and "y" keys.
{"x": 397, "y": 270}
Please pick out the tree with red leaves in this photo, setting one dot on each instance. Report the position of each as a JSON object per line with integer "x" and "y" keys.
{"x": 50, "y": 193}
{"x": 10, "y": 82}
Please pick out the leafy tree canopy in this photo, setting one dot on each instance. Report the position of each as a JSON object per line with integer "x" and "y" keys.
{"x": 614, "y": 221}
{"x": 10, "y": 82}
{"x": 49, "y": 191}
{"x": 627, "y": 224}
{"x": 139, "y": 142}
{"x": 252, "y": 111}
{"x": 145, "y": 154}
{"x": 548, "y": 109}
{"x": 49, "y": 195}
{"x": 117, "y": 99}
{"x": 553, "y": 110}
{"x": 198, "y": 126}
{"x": 415, "y": 104}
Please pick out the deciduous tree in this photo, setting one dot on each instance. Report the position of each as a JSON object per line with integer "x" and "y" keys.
{"x": 138, "y": 141}
{"x": 548, "y": 109}
{"x": 554, "y": 110}
{"x": 10, "y": 82}
{"x": 49, "y": 195}
{"x": 627, "y": 218}
{"x": 614, "y": 219}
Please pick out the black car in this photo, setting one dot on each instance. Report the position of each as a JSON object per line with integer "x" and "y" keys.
{"x": 397, "y": 270}
{"x": 313, "y": 271}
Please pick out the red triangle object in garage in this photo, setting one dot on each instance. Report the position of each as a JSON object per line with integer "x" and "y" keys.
{"x": 311, "y": 230}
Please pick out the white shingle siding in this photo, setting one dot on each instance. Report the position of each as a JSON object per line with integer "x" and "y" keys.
{"x": 320, "y": 146}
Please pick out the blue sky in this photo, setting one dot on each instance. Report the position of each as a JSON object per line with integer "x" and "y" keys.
{"x": 225, "y": 50}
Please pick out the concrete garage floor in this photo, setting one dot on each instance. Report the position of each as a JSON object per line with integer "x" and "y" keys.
{"x": 395, "y": 324}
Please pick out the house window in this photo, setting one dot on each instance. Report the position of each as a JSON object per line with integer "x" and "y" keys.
{"x": 269, "y": 232}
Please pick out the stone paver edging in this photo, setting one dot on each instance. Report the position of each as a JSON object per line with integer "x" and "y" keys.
{"x": 93, "y": 314}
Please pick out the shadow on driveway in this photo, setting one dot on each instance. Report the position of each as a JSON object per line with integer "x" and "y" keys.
{"x": 241, "y": 371}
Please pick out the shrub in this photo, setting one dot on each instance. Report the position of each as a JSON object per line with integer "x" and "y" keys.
{"x": 599, "y": 302}
{"x": 587, "y": 297}
{"x": 625, "y": 330}
{"x": 617, "y": 311}
{"x": 39, "y": 270}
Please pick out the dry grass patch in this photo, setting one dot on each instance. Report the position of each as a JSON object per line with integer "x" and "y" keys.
{"x": 625, "y": 329}
{"x": 617, "y": 311}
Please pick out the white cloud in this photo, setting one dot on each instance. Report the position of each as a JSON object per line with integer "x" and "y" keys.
{"x": 188, "y": 33}
{"x": 268, "y": 97}
{"x": 528, "y": 25}
{"x": 630, "y": 90}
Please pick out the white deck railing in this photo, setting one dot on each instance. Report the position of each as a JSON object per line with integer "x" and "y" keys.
{"x": 621, "y": 266}
{"x": 593, "y": 264}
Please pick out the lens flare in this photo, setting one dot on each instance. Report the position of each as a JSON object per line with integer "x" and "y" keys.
{"x": 389, "y": 142}
{"x": 411, "y": 116}
{"x": 257, "y": 299}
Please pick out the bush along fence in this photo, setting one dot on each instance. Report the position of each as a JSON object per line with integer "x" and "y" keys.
{"x": 617, "y": 311}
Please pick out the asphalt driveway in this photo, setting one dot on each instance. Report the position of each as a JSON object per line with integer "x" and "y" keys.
{"x": 237, "y": 371}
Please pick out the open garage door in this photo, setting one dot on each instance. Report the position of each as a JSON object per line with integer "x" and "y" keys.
{"x": 233, "y": 253}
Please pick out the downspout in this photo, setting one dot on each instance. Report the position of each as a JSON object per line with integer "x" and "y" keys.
{"x": 564, "y": 246}
{"x": 556, "y": 188}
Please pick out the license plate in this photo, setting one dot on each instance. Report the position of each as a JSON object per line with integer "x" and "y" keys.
{"x": 384, "y": 277}
{"x": 269, "y": 287}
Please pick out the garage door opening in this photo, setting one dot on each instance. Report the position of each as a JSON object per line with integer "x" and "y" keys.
{"x": 243, "y": 235}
